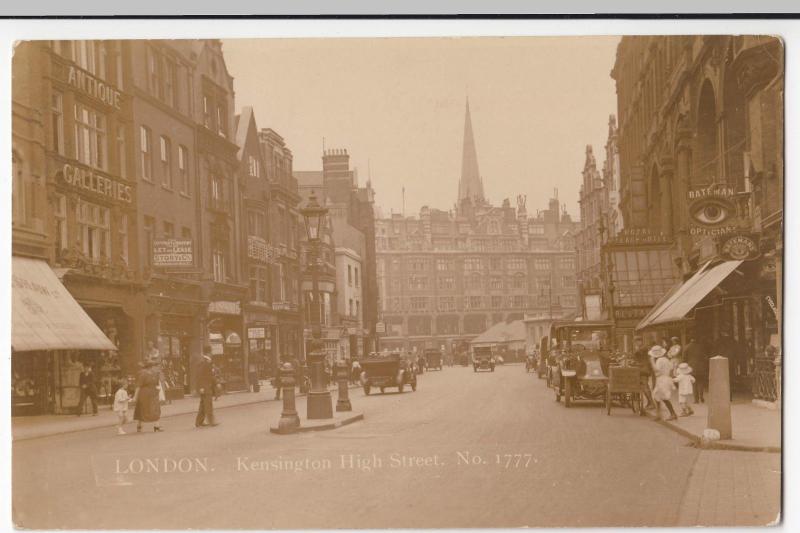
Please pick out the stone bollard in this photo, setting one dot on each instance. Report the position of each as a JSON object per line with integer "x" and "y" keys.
{"x": 719, "y": 397}
{"x": 289, "y": 422}
{"x": 343, "y": 377}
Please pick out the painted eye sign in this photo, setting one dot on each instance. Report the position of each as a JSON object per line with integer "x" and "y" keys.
{"x": 712, "y": 211}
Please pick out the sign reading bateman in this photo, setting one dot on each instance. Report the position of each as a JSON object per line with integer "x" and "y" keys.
{"x": 712, "y": 211}
{"x": 172, "y": 253}
{"x": 90, "y": 180}
{"x": 742, "y": 247}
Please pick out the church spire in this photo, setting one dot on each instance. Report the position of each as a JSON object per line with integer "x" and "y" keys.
{"x": 471, "y": 185}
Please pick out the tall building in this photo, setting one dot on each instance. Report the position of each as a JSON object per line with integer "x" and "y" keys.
{"x": 701, "y": 163}
{"x": 444, "y": 277}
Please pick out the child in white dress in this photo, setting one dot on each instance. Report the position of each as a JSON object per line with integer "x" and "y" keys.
{"x": 121, "y": 401}
{"x": 684, "y": 379}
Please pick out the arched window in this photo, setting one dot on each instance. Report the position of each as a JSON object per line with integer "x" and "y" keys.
{"x": 705, "y": 157}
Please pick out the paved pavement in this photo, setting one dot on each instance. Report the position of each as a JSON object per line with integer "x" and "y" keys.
{"x": 466, "y": 450}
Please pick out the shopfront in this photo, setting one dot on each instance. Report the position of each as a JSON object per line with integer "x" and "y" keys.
{"x": 52, "y": 340}
{"x": 262, "y": 356}
{"x": 227, "y": 348}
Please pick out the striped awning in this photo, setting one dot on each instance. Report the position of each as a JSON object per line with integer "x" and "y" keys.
{"x": 45, "y": 316}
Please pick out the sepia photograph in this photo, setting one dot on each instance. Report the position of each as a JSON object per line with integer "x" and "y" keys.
{"x": 419, "y": 282}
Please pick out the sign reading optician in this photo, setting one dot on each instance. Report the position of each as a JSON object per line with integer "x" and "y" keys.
{"x": 90, "y": 180}
{"x": 712, "y": 211}
{"x": 172, "y": 253}
{"x": 100, "y": 90}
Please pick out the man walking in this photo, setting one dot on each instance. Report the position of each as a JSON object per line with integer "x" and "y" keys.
{"x": 696, "y": 357}
{"x": 645, "y": 370}
{"x": 205, "y": 386}
{"x": 88, "y": 390}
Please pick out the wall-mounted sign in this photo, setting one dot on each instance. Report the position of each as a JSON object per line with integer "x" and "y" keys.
{"x": 638, "y": 236}
{"x": 224, "y": 308}
{"x": 91, "y": 180}
{"x": 712, "y": 211}
{"x": 380, "y": 327}
{"x": 256, "y": 333}
{"x": 742, "y": 247}
{"x": 772, "y": 305}
{"x": 630, "y": 313}
{"x": 172, "y": 253}
{"x": 97, "y": 89}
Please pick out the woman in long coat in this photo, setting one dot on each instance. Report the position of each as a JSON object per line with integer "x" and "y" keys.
{"x": 662, "y": 392}
{"x": 148, "y": 406}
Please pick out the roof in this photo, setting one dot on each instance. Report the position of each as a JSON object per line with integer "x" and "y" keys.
{"x": 502, "y": 332}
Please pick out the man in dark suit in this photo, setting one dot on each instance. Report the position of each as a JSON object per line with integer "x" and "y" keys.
{"x": 206, "y": 383}
{"x": 88, "y": 390}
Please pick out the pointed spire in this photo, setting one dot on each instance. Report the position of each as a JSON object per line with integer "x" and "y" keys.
{"x": 471, "y": 184}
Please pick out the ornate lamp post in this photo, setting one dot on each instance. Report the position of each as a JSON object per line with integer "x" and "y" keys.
{"x": 319, "y": 402}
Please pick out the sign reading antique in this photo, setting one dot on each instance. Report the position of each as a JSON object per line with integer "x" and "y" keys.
{"x": 740, "y": 247}
{"x": 98, "y": 89}
{"x": 637, "y": 236}
{"x": 91, "y": 180}
{"x": 711, "y": 210}
{"x": 172, "y": 253}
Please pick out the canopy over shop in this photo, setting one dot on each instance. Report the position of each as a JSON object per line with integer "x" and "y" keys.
{"x": 49, "y": 333}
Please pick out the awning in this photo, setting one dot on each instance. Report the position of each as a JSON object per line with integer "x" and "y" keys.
{"x": 45, "y": 316}
{"x": 682, "y": 298}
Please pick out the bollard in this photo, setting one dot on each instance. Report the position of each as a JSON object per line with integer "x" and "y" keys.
{"x": 719, "y": 397}
{"x": 289, "y": 422}
{"x": 342, "y": 376}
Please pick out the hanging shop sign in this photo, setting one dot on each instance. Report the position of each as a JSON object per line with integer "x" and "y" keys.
{"x": 93, "y": 181}
{"x": 97, "y": 89}
{"x": 712, "y": 211}
{"x": 256, "y": 333}
{"x": 173, "y": 253}
{"x": 741, "y": 247}
{"x": 639, "y": 236}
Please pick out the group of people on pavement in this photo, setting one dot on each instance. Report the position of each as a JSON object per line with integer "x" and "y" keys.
{"x": 148, "y": 395}
{"x": 666, "y": 366}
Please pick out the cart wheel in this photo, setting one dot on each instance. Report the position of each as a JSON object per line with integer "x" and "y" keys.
{"x": 568, "y": 393}
{"x": 366, "y": 389}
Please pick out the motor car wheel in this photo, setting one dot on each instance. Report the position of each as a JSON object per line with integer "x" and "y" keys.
{"x": 568, "y": 393}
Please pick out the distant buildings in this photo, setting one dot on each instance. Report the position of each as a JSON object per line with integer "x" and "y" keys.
{"x": 446, "y": 276}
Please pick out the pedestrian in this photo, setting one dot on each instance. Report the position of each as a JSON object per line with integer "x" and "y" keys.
{"x": 662, "y": 392}
{"x": 684, "y": 379}
{"x": 355, "y": 372}
{"x": 252, "y": 373}
{"x": 645, "y": 370}
{"x": 121, "y": 401}
{"x": 696, "y": 357}
{"x": 276, "y": 382}
{"x": 206, "y": 384}
{"x": 674, "y": 352}
{"x": 154, "y": 356}
{"x": 147, "y": 406}
{"x": 88, "y": 389}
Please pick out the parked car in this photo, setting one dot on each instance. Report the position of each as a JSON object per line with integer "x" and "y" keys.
{"x": 483, "y": 358}
{"x": 582, "y": 353}
{"x": 390, "y": 370}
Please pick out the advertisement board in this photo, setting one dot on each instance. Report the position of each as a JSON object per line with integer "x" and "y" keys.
{"x": 173, "y": 253}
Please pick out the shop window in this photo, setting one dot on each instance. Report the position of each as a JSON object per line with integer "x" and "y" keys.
{"x": 146, "y": 146}
{"x": 57, "y": 118}
{"x": 95, "y": 230}
{"x": 183, "y": 169}
{"x": 166, "y": 162}
{"x": 90, "y": 137}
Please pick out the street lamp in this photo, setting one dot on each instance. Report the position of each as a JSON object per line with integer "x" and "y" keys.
{"x": 319, "y": 403}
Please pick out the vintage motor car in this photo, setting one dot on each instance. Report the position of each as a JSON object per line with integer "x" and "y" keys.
{"x": 389, "y": 370}
{"x": 483, "y": 358}
{"x": 582, "y": 351}
{"x": 433, "y": 359}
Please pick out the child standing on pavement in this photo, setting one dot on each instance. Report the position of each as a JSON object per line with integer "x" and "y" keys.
{"x": 121, "y": 400}
{"x": 684, "y": 379}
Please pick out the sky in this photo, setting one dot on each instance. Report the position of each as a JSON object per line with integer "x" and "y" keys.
{"x": 397, "y": 105}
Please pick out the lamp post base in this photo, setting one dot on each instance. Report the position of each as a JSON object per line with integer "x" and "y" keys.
{"x": 319, "y": 405}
